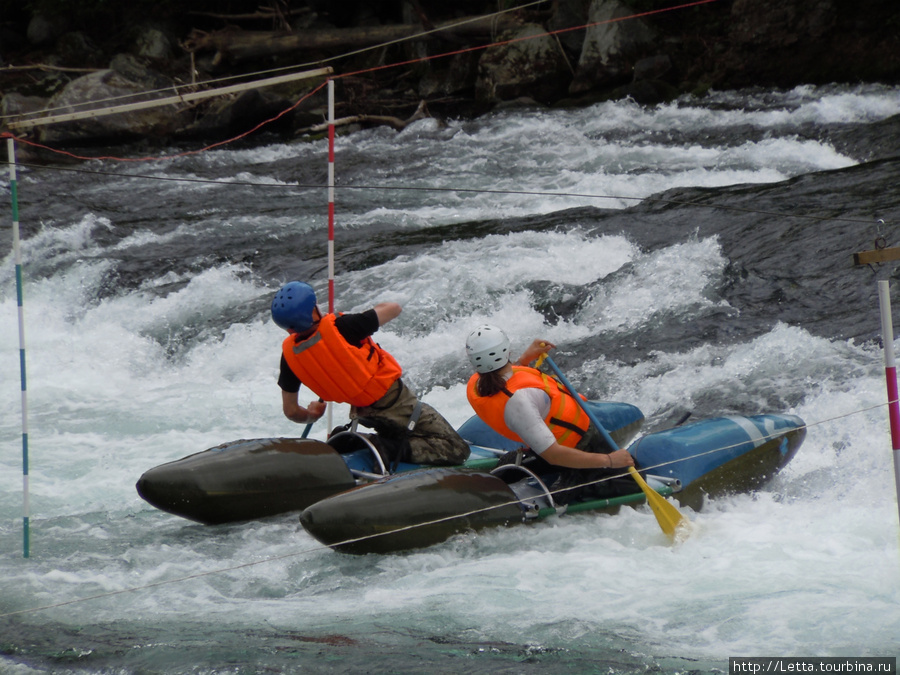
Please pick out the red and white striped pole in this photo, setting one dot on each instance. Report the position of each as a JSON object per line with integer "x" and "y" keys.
{"x": 890, "y": 371}
{"x": 330, "y": 196}
{"x": 330, "y": 215}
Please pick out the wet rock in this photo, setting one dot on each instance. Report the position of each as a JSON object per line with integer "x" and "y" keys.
{"x": 527, "y": 63}
{"x": 15, "y": 104}
{"x": 778, "y": 41}
{"x": 728, "y": 44}
{"x": 228, "y": 116}
{"x": 567, "y": 21}
{"x": 135, "y": 70}
{"x": 459, "y": 75}
{"x": 154, "y": 44}
{"x": 652, "y": 68}
{"x": 44, "y": 30}
{"x": 611, "y": 47}
{"x": 110, "y": 87}
{"x": 76, "y": 49}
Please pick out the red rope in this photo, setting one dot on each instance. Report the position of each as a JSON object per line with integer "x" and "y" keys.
{"x": 354, "y": 73}
{"x": 527, "y": 37}
{"x": 187, "y": 153}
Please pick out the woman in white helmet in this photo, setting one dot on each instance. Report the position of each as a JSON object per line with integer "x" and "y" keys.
{"x": 528, "y": 406}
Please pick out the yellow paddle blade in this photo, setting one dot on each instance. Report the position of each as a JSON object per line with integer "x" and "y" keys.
{"x": 670, "y": 519}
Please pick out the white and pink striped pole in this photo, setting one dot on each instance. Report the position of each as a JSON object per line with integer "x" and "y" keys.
{"x": 890, "y": 371}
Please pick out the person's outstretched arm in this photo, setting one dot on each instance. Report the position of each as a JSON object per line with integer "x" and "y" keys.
{"x": 387, "y": 311}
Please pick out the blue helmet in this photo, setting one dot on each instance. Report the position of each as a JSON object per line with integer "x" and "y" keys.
{"x": 293, "y": 305}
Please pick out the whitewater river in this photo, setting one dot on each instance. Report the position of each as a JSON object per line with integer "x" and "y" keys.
{"x": 694, "y": 257}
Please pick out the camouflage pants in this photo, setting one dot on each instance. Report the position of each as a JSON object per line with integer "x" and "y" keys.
{"x": 432, "y": 440}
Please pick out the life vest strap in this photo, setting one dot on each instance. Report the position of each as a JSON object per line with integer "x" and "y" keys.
{"x": 306, "y": 344}
{"x": 396, "y": 397}
{"x": 573, "y": 428}
{"x": 414, "y": 418}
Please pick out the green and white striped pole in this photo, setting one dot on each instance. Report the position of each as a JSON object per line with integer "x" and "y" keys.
{"x": 17, "y": 251}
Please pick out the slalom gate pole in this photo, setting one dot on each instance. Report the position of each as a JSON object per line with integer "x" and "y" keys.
{"x": 890, "y": 371}
{"x": 330, "y": 217}
{"x": 330, "y": 196}
{"x": 17, "y": 253}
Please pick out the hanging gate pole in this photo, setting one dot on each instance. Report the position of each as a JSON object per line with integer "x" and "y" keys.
{"x": 890, "y": 370}
{"x": 330, "y": 215}
{"x": 17, "y": 253}
{"x": 330, "y": 196}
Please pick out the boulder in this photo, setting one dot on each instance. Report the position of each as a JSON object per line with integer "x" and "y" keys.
{"x": 43, "y": 30}
{"x": 527, "y": 62}
{"x": 232, "y": 115}
{"x": 652, "y": 68}
{"x": 14, "y": 104}
{"x": 135, "y": 70}
{"x": 152, "y": 43}
{"x": 567, "y": 20}
{"x": 76, "y": 49}
{"x": 457, "y": 74}
{"x": 127, "y": 82}
{"x": 778, "y": 42}
{"x": 611, "y": 46}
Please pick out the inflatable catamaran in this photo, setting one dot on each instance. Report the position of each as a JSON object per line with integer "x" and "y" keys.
{"x": 251, "y": 479}
{"x": 354, "y": 503}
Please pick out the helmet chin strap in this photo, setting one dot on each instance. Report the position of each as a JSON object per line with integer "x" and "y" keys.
{"x": 316, "y": 317}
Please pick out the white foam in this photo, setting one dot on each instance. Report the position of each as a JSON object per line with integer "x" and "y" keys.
{"x": 807, "y": 566}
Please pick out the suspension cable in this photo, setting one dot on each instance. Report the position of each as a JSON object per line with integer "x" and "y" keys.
{"x": 413, "y": 188}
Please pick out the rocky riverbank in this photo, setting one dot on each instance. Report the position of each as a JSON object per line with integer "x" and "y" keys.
{"x": 461, "y": 62}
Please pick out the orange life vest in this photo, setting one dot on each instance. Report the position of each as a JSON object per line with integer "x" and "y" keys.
{"x": 566, "y": 419}
{"x": 338, "y": 371}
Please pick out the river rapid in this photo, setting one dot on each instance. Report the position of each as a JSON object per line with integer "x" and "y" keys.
{"x": 689, "y": 257}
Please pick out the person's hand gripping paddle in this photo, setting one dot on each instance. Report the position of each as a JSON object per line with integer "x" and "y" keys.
{"x": 669, "y": 518}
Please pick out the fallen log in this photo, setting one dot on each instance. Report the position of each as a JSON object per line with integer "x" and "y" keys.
{"x": 261, "y": 13}
{"x": 372, "y": 120}
{"x": 237, "y": 45}
{"x": 48, "y": 67}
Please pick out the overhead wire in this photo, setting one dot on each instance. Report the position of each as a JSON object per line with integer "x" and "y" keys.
{"x": 383, "y": 45}
{"x": 255, "y": 74}
{"x": 414, "y": 37}
{"x": 381, "y": 187}
{"x": 419, "y": 188}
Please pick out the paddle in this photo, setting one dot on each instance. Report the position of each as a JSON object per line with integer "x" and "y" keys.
{"x": 668, "y": 517}
{"x": 308, "y": 427}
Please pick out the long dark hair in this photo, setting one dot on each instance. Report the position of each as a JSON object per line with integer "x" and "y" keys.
{"x": 489, "y": 384}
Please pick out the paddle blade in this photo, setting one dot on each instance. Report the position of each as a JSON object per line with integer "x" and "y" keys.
{"x": 669, "y": 518}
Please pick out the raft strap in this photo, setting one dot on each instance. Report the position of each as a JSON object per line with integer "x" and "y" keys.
{"x": 415, "y": 416}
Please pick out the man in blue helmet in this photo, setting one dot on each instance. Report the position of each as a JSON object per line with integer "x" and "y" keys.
{"x": 336, "y": 357}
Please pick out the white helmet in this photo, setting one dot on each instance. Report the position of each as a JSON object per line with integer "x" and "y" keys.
{"x": 488, "y": 349}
